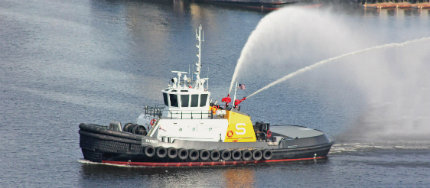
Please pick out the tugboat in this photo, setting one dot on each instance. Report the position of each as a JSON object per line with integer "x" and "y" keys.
{"x": 190, "y": 130}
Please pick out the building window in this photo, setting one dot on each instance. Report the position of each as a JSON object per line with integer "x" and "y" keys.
{"x": 184, "y": 100}
{"x": 194, "y": 100}
{"x": 203, "y": 100}
{"x": 173, "y": 100}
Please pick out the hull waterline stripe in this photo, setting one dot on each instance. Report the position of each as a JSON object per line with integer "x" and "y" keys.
{"x": 179, "y": 164}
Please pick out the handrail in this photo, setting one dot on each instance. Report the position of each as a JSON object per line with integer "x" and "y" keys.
{"x": 157, "y": 111}
{"x": 172, "y": 112}
{"x": 154, "y": 111}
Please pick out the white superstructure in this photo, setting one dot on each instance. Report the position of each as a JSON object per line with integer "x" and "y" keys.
{"x": 186, "y": 114}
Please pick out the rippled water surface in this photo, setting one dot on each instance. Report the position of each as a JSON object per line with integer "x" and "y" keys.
{"x": 67, "y": 62}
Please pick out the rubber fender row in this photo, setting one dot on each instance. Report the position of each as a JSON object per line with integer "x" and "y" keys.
{"x": 91, "y": 143}
{"x": 92, "y": 155}
{"x": 99, "y": 136}
{"x": 204, "y": 155}
{"x": 102, "y": 131}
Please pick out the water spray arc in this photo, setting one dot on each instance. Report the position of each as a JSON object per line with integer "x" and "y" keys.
{"x": 238, "y": 66}
{"x": 236, "y": 70}
{"x": 335, "y": 58}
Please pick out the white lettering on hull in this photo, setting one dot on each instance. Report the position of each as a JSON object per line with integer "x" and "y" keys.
{"x": 241, "y": 129}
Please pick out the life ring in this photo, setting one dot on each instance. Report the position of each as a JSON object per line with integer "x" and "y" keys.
{"x": 214, "y": 109}
{"x": 269, "y": 133}
{"x": 152, "y": 122}
{"x": 230, "y": 133}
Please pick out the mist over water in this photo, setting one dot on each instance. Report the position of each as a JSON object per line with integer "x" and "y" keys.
{"x": 396, "y": 86}
{"x": 390, "y": 80}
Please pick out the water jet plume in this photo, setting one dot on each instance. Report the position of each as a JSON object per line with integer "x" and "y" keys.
{"x": 287, "y": 34}
{"x": 335, "y": 58}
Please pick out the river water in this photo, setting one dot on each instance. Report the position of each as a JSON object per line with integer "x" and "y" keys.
{"x": 67, "y": 62}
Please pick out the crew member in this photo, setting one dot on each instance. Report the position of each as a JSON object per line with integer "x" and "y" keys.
{"x": 227, "y": 100}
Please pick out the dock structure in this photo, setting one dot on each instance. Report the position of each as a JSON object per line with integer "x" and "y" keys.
{"x": 400, "y": 4}
{"x": 424, "y": 5}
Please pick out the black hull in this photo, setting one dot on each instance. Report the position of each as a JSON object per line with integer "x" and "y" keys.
{"x": 101, "y": 145}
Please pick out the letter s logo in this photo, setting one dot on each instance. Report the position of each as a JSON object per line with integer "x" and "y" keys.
{"x": 241, "y": 129}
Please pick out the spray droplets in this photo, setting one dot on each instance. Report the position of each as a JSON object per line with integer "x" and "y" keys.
{"x": 336, "y": 58}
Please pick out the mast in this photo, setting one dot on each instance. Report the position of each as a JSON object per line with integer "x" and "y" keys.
{"x": 199, "y": 46}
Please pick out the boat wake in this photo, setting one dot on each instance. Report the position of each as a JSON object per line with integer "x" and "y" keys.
{"x": 84, "y": 161}
{"x": 393, "y": 146}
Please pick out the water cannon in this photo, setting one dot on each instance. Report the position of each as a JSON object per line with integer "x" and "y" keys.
{"x": 237, "y": 101}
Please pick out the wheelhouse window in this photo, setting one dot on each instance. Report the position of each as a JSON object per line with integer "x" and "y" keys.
{"x": 203, "y": 100}
{"x": 166, "y": 101}
{"x": 194, "y": 100}
{"x": 173, "y": 100}
{"x": 185, "y": 100}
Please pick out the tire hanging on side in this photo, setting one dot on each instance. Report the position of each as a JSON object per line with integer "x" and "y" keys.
{"x": 215, "y": 155}
{"x": 225, "y": 155}
{"x": 193, "y": 154}
{"x": 267, "y": 154}
{"x": 204, "y": 155}
{"x": 149, "y": 151}
{"x": 172, "y": 153}
{"x": 246, "y": 155}
{"x": 183, "y": 154}
{"x": 257, "y": 155}
{"x": 236, "y": 155}
{"x": 161, "y": 152}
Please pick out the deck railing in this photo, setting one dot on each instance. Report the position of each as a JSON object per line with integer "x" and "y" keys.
{"x": 178, "y": 114}
{"x": 156, "y": 111}
{"x": 159, "y": 110}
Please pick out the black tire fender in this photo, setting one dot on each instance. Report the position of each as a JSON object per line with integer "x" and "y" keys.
{"x": 257, "y": 155}
{"x": 246, "y": 155}
{"x": 215, "y": 155}
{"x": 183, "y": 154}
{"x": 161, "y": 152}
{"x": 172, "y": 153}
{"x": 236, "y": 155}
{"x": 225, "y": 155}
{"x": 149, "y": 151}
{"x": 204, "y": 155}
{"x": 193, "y": 154}
{"x": 267, "y": 154}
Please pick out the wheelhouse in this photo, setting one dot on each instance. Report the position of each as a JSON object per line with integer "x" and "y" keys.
{"x": 185, "y": 99}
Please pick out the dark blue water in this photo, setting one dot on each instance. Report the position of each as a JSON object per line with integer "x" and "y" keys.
{"x": 67, "y": 62}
